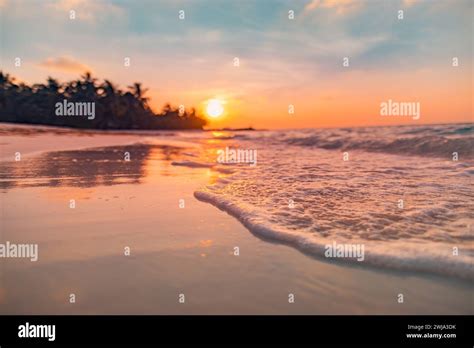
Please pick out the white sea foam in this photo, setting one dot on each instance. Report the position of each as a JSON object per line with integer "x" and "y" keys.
{"x": 402, "y": 255}
{"x": 358, "y": 201}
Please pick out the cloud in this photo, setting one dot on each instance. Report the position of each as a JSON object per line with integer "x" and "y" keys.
{"x": 409, "y": 3}
{"x": 64, "y": 63}
{"x": 340, "y": 6}
{"x": 88, "y": 10}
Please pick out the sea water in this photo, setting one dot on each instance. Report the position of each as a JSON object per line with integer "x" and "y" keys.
{"x": 404, "y": 193}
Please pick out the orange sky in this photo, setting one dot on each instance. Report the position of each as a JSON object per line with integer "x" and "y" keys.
{"x": 282, "y": 61}
{"x": 353, "y": 99}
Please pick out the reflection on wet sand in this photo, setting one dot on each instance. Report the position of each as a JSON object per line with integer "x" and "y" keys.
{"x": 85, "y": 168}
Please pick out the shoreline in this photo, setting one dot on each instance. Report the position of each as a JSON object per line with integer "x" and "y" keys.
{"x": 225, "y": 129}
{"x": 176, "y": 250}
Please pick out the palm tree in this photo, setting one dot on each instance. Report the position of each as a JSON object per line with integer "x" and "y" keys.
{"x": 53, "y": 85}
{"x": 115, "y": 109}
{"x": 138, "y": 93}
{"x": 89, "y": 85}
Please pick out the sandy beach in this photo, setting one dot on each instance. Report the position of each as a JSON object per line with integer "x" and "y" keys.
{"x": 174, "y": 250}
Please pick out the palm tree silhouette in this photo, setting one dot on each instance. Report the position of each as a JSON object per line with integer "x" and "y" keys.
{"x": 115, "y": 109}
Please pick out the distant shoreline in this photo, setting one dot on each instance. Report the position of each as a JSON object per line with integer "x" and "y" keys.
{"x": 65, "y": 127}
{"x": 225, "y": 129}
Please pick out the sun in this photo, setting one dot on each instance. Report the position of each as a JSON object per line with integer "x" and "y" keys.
{"x": 215, "y": 108}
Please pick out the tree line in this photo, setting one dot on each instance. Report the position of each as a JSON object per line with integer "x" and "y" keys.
{"x": 114, "y": 108}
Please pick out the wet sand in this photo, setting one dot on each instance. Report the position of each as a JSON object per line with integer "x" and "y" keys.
{"x": 174, "y": 250}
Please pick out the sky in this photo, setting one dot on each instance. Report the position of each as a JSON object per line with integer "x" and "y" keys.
{"x": 282, "y": 61}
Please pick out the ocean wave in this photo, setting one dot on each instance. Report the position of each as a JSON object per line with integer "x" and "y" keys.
{"x": 358, "y": 201}
{"x": 396, "y": 255}
{"x": 432, "y": 140}
{"x": 423, "y": 146}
